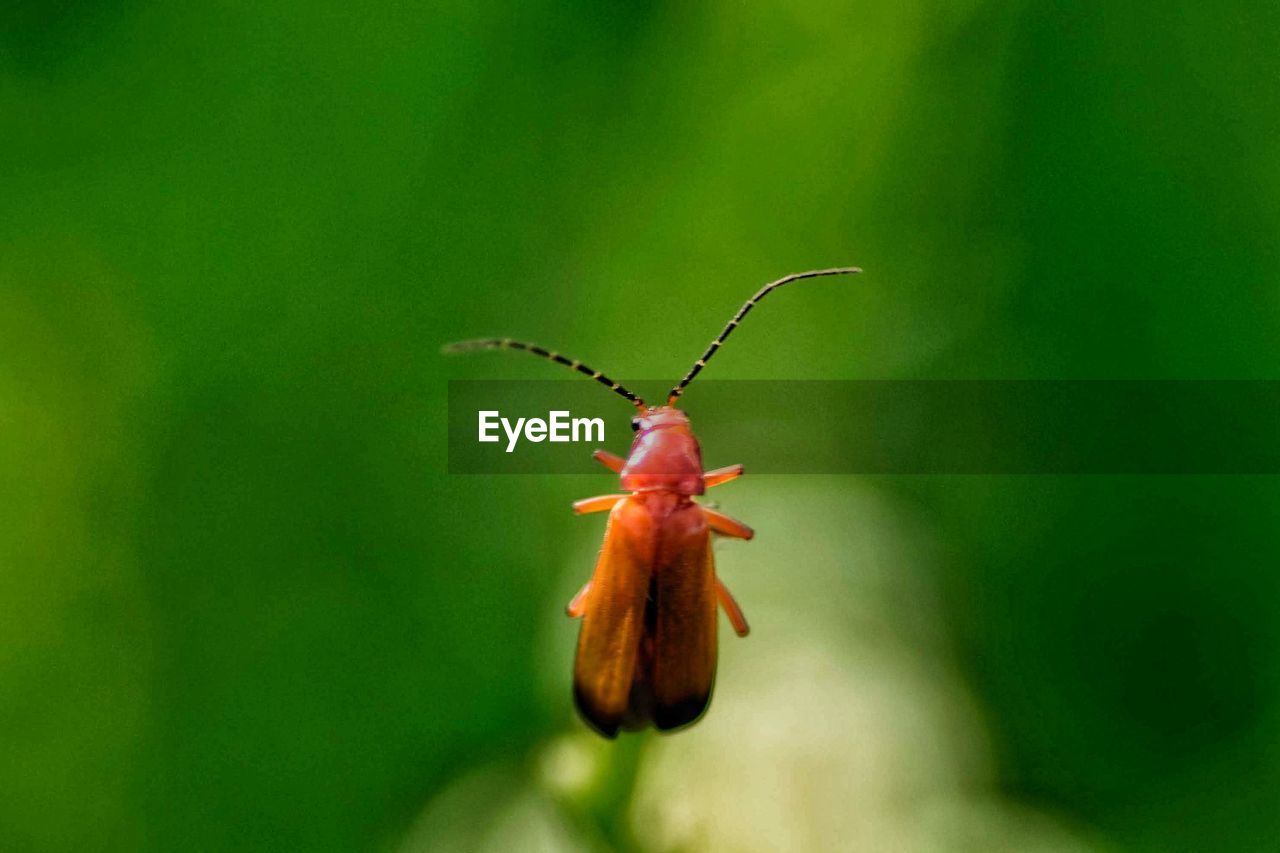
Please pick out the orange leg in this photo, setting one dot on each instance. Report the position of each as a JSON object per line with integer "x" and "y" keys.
{"x": 578, "y": 605}
{"x": 609, "y": 460}
{"x": 722, "y": 475}
{"x": 603, "y": 503}
{"x": 731, "y": 609}
{"x": 726, "y": 526}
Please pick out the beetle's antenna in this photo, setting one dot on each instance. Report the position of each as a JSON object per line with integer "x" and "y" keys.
{"x": 507, "y": 343}
{"x": 737, "y": 318}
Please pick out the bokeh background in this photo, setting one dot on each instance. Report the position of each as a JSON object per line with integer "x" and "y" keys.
{"x": 242, "y": 605}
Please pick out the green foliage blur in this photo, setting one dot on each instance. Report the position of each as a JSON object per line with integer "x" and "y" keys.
{"x": 242, "y": 605}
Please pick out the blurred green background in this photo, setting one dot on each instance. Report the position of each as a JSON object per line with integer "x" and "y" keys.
{"x": 243, "y": 607}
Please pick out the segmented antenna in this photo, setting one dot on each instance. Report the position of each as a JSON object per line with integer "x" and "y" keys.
{"x": 737, "y": 318}
{"x": 507, "y": 343}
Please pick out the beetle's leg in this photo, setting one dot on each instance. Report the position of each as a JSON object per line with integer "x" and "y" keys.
{"x": 726, "y": 526}
{"x": 731, "y": 609}
{"x": 722, "y": 475}
{"x": 603, "y": 503}
{"x": 609, "y": 460}
{"x": 578, "y": 605}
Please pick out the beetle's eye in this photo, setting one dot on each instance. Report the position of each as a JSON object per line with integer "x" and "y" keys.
{"x": 635, "y": 424}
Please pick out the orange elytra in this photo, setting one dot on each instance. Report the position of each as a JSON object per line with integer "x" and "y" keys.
{"x": 647, "y": 647}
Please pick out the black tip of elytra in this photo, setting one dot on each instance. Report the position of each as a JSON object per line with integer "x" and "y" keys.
{"x": 681, "y": 713}
{"x": 603, "y": 724}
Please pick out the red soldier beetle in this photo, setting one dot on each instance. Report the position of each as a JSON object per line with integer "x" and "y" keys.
{"x": 647, "y": 646}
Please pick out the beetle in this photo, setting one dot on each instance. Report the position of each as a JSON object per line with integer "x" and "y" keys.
{"x": 647, "y": 647}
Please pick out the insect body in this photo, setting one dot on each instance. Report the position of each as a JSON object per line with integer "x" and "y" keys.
{"x": 647, "y": 647}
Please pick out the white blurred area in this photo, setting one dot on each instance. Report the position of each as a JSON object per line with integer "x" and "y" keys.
{"x": 839, "y": 724}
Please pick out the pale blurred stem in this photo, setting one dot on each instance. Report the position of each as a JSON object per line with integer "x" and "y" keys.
{"x": 604, "y": 813}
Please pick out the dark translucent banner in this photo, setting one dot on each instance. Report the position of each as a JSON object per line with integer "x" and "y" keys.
{"x": 886, "y": 427}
